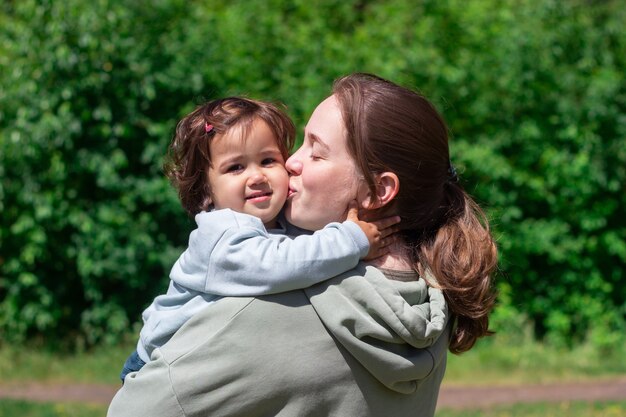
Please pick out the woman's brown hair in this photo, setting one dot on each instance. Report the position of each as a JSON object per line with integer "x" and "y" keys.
{"x": 391, "y": 128}
{"x": 189, "y": 155}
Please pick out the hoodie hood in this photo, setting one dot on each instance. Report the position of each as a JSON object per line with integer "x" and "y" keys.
{"x": 397, "y": 330}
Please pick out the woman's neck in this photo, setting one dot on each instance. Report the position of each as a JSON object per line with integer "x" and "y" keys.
{"x": 397, "y": 259}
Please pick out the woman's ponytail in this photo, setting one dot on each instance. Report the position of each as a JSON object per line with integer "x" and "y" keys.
{"x": 462, "y": 257}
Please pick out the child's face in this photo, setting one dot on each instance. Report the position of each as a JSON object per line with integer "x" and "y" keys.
{"x": 248, "y": 174}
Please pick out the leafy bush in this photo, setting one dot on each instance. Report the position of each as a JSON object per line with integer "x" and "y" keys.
{"x": 533, "y": 92}
{"x": 87, "y": 229}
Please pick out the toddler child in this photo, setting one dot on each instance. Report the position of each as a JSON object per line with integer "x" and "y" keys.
{"x": 228, "y": 164}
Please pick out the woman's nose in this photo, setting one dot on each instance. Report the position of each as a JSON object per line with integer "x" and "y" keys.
{"x": 293, "y": 165}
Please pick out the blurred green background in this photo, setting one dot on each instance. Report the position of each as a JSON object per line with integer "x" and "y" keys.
{"x": 91, "y": 90}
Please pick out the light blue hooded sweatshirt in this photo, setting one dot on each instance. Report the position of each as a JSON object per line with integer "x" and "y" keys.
{"x": 232, "y": 254}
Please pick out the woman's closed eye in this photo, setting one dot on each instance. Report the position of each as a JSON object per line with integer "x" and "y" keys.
{"x": 317, "y": 153}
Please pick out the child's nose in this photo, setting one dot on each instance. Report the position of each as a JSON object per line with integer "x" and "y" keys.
{"x": 257, "y": 177}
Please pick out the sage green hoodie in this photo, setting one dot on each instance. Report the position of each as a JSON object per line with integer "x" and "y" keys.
{"x": 356, "y": 345}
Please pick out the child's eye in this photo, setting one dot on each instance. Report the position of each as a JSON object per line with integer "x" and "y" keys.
{"x": 268, "y": 161}
{"x": 234, "y": 168}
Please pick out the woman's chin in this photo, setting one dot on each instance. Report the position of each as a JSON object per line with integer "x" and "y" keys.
{"x": 288, "y": 211}
{"x": 299, "y": 221}
{"x": 294, "y": 220}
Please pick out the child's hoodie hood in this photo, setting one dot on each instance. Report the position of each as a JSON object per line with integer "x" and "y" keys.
{"x": 392, "y": 328}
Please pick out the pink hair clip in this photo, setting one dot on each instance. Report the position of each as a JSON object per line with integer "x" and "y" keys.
{"x": 208, "y": 127}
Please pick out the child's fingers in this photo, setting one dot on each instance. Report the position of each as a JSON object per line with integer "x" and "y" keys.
{"x": 389, "y": 231}
{"x": 353, "y": 211}
{"x": 384, "y": 225}
{"x": 381, "y": 249}
{"x": 387, "y": 222}
{"x": 384, "y": 242}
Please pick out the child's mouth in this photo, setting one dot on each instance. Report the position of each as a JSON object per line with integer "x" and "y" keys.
{"x": 259, "y": 197}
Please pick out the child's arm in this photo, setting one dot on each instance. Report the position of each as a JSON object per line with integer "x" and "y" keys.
{"x": 232, "y": 254}
{"x": 167, "y": 313}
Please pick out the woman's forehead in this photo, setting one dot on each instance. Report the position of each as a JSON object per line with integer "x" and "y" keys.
{"x": 326, "y": 124}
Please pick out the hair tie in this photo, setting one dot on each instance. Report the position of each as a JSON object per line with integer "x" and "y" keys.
{"x": 452, "y": 175}
{"x": 208, "y": 127}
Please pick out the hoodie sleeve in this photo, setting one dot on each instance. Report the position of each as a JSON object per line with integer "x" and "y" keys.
{"x": 150, "y": 396}
{"x": 231, "y": 254}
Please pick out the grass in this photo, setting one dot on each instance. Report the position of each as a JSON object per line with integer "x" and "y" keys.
{"x": 498, "y": 361}
{"x": 502, "y": 362}
{"x": 98, "y": 366}
{"x": 566, "y": 408}
{"x": 492, "y": 362}
{"x": 12, "y": 408}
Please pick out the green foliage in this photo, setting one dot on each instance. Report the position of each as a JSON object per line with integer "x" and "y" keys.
{"x": 548, "y": 134}
{"x": 543, "y": 409}
{"x": 87, "y": 234}
{"x": 533, "y": 91}
{"x": 22, "y": 408}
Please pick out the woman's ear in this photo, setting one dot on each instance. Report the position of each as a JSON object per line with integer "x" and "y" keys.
{"x": 387, "y": 187}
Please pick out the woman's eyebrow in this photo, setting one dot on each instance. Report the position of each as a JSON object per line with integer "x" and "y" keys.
{"x": 316, "y": 139}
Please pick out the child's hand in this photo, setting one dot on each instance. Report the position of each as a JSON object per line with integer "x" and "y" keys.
{"x": 379, "y": 233}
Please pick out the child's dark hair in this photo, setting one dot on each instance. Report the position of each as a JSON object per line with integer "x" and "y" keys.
{"x": 189, "y": 155}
